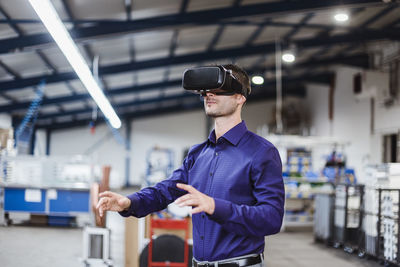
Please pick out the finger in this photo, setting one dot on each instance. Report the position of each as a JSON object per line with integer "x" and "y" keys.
{"x": 104, "y": 204}
{"x": 104, "y": 207}
{"x": 106, "y": 194}
{"x": 197, "y": 210}
{"x": 101, "y": 211}
{"x": 182, "y": 198}
{"x": 186, "y": 187}
{"x": 99, "y": 203}
{"x": 190, "y": 202}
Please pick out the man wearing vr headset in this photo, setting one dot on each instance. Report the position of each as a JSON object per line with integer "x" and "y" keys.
{"x": 233, "y": 180}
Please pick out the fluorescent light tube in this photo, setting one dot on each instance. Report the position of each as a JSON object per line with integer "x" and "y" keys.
{"x": 57, "y": 30}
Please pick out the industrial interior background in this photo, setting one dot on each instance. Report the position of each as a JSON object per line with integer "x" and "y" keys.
{"x": 341, "y": 97}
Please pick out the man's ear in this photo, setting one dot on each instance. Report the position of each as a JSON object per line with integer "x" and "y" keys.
{"x": 241, "y": 99}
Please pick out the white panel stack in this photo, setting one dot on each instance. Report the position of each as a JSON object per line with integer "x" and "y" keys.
{"x": 322, "y": 216}
{"x": 340, "y": 206}
{"x": 389, "y": 231}
{"x": 71, "y": 172}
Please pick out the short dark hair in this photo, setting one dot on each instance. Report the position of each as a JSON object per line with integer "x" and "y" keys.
{"x": 241, "y": 75}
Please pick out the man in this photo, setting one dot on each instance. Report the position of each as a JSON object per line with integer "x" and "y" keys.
{"x": 232, "y": 181}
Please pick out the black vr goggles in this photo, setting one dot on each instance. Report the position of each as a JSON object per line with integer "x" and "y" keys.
{"x": 217, "y": 80}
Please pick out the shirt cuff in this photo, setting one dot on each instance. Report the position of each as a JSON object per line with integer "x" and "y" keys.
{"x": 222, "y": 211}
{"x": 131, "y": 210}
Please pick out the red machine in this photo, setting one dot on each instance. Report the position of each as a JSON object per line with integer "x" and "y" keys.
{"x": 169, "y": 224}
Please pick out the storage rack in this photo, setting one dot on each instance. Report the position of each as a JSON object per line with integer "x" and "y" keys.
{"x": 348, "y": 214}
{"x": 299, "y": 205}
{"x": 300, "y": 155}
{"x": 299, "y": 161}
{"x": 366, "y": 220}
{"x": 323, "y": 217}
{"x": 384, "y": 224}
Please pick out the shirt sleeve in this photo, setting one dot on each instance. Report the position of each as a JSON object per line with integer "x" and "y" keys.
{"x": 265, "y": 217}
{"x": 158, "y": 197}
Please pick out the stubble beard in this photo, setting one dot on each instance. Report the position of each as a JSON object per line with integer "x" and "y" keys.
{"x": 219, "y": 113}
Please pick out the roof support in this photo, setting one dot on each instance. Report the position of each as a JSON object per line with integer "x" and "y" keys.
{"x": 359, "y": 37}
{"x": 197, "y": 17}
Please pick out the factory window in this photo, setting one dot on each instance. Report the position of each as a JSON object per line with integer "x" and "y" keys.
{"x": 391, "y": 148}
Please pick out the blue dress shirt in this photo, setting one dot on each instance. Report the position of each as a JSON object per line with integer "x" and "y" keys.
{"x": 243, "y": 173}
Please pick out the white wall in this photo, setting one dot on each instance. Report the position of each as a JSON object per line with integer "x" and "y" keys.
{"x": 386, "y": 122}
{"x": 5, "y": 121}
{"x": 352, "y": 120}
{"x": 175, "y": 131}
{"x": 317, "y": 106}
{"x": 107, "y": 152}
{"x": 181, "y": 130}
{"x": 40, "y": 143}
{"x": 351, "y": 117}
{"x": 257, "y": 114}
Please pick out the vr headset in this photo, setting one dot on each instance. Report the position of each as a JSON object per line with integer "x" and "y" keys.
{"x": 217, "y": 80}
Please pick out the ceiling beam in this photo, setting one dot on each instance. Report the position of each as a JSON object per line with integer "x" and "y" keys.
{"x": 81, "y": 97}
{"x": 266, "y": 87}
{"x": 358, "y": 60}
{"x": 297, "y": 90}
{"x": 206, "y": 17}
{"x": 297, "y": 28}
{"x": 355, "y": 37}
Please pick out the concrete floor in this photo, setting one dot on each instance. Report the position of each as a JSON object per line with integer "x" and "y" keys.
{"x": 38, "y": 246}
{"x": 50, "y": 246}
{"x": 298, "y": 249}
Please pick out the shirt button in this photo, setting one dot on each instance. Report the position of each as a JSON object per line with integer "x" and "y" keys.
{"x": 203, "y": 216}
{"x": 210, "y": 173}
{"x": 201, "y": 237}
{"x": 216, "y": 153}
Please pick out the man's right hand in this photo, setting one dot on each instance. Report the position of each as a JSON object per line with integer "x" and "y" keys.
{"x": 112, "y": 201}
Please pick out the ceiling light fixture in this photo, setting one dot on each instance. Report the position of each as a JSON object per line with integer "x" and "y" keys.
{"x": 257, "y": 80}
{"x": 46, "y": 12}
{"x": 288, "y": 57}
{"x": 341, "y": 17}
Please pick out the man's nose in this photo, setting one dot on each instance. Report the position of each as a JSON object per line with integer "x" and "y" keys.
{"x": 209, "y": 93}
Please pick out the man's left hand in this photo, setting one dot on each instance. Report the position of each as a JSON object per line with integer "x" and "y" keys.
{"x": 199, "y": 201}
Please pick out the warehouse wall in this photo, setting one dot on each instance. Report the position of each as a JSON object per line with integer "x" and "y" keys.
{"x": 258, "y": 114}
{"x": 40, "y": 145}
{"x": 317, "y": 106}
{"x": 352, "y": 120}
{"x": 5, "y": 121}
{"x": 386, "y": 122}
{"x": 351, "y": 117}
{"x": 103, "y": 147}
{"x": 177, "y": 131}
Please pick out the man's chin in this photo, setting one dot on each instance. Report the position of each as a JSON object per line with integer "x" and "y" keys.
{"x": 212, "y": 114}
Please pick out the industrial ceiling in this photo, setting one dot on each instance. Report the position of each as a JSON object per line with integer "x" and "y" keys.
{"x": 143, "y": 47}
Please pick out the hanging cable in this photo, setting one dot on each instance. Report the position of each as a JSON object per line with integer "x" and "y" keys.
{"x": 278, "y": 74}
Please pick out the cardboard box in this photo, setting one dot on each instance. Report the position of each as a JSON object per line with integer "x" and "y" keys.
{"x": 5, "y": 134}
{"x": 131, "y": 242}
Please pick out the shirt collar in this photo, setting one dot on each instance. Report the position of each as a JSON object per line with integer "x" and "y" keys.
{"x": 233, "y": 135}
